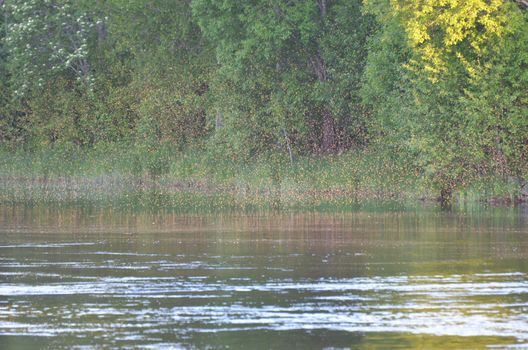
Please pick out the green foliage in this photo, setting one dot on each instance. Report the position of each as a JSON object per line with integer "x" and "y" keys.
{"x": 5, "y": 131}
{"x": 65, "y": 172}
{"x": 435, "y": 90}
{"x": 46, "y": 39}
{"x": 169, "y": 65}
{"x": 448, "y": 31}
{"x": 465, "y": 120}
{"x": 496, "y": 100}
{"x": 284, "y": 68}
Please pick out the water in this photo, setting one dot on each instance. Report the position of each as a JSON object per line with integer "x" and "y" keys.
{"x": 83, "y": 278}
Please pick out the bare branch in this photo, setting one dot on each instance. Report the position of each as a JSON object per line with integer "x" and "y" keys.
{"x": 322, "y": 7}
{"x": 523, "y": 3}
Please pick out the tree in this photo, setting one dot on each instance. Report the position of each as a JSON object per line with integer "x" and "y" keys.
{"x": 46, "y": 39}
{"x": 439, "y": 89}
{"x": 5, "y": 122}
{"x": 448, "y": 30}
{"x": 168, "y": 63}
{"x": 278, "y": 58}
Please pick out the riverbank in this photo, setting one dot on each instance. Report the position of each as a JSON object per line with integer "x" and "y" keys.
{"x": 166, "y": 177}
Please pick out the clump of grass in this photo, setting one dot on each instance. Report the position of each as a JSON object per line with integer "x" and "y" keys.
{"x": 165, "y": 177}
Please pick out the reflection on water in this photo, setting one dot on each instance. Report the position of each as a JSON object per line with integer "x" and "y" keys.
{"x": 87, "y": 278}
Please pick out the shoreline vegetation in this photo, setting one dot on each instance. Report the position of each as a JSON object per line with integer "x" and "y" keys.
{"x": 167, "y": 178}
{"x": 264, "y": 103}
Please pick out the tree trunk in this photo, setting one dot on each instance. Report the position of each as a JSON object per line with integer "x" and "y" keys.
{"x": 218, "y": 121}
{"x": 102, "y": 33}
{"x": 322, "y": 7}
{"x": 445, "y": 195}
{"x": 329, "y": 139}
{"x": 328, "y": 142}
{"x": 84, "y": 67}
{"x": 522, "y": 3}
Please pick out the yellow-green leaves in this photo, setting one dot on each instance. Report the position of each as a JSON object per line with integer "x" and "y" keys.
{"x": 443, "y": 30}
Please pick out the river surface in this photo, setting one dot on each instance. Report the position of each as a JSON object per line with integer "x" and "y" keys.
{"x": 89, "y": 278}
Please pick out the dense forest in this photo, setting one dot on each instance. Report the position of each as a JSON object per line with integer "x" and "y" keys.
{"x": 442, "y": 83}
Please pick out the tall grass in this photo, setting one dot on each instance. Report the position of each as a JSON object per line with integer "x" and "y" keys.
{"x": 166, "y": 177}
